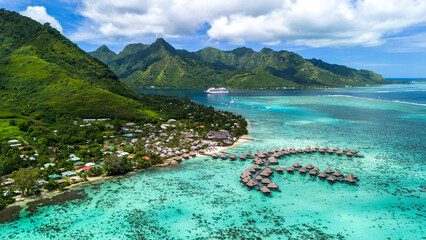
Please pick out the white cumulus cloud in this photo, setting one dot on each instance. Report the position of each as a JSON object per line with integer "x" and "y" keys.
{"x": 314, "y": 23}
{"x": 39, "y": 14}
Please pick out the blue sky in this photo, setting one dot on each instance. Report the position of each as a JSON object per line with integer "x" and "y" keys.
{"x": 388, "y": 37}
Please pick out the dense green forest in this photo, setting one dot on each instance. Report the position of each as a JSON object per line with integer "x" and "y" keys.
{"x": 161, "y": 65}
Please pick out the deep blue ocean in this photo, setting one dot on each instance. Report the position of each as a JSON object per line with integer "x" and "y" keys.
{"x": 202, "y": 198}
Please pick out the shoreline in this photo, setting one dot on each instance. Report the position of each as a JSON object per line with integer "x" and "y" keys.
{"x": 22, "y": 201}
{"x": 242, "y": 139}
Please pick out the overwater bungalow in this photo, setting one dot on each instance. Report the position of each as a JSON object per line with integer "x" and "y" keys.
{"x": 292, "y": 148}
{"x": 297, "y": 165}
{"x": 349, "y": 154}
{"x": 258, "y": 161}
{"x": 265, "y": 174}
{"x": 248, "y": 154}
{"x": 289, "y": 170}
{"x": 331, "y": 179}
{"x": 345, "y": 150}
{"x": 265, "y": 152}
{"x": 223, "y": 157}
{"x": 307, "y": 150}
{"x": 266, "y": 181}
{"x": 273, "y": 186}
{"x": 313, "y": 173}
{"x": 322, "y": 151}
{"x": 299, "y": 150}
{"x": 278, "y": 169}
{"x": 336, "y": 149}
{"x": 265, "y": 191}
{"x": 302, "y": 171}
{"x": 277, "y": 150}
{"x": 214, "y": 155}
{"x": 232, "y": 157}
{"x": 313, "y": 150}
{"x": 317, "y": 147}
{"x": 286, "y": 152}
{"x": 256, "y": 153}
{"x": 329, "y": 171}
{"x": 261, "y": 155}
{"x": 349, "y": 180}
{"x": 309, "y": 166}
{"x": 353, "y": 151}
{"x": 351, "y": 175}
{"x": 322, "y": 176}
{"x": 270, "y": 151}
{"x": 292, "y": 151}
{"x": 258, "y": 178}
{"x": 256, "y": 167}
{"x": 245, "y": 180}
{"x": 285, "y": 149}
{"x": 308, "y": 147}
{"x": 251, "y": 184}
{"x": 329, "y": 151}
{"x": 338, "y": 174}
{"x": 339, "y": 153}
{"x": 272, "y": 161}
{"x": 251, "y": 170}
{"x": 325, "y": 148}
{"x": 242, "y": 158}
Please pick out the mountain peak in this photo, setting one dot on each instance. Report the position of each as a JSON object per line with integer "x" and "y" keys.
{"x": 160, "y": 43}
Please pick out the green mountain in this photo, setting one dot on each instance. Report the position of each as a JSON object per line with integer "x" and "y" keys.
{"x": 161, "y": 65}
{"x": 42, "y": 71}
{"x": 103, "y": 53}
{"x": 45, "y": 77}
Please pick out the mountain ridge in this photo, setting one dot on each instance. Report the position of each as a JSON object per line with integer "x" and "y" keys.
{"x": 161, "y": 65}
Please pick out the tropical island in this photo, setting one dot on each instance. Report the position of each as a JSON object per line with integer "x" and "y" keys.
{"x": 160, "y": 65}
{"x": 66, "y": 117}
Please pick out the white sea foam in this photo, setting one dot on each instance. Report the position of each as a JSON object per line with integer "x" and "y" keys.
{"x": 395, "y": 101}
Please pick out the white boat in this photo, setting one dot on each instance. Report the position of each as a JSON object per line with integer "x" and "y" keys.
{"x": 217, "y": 91}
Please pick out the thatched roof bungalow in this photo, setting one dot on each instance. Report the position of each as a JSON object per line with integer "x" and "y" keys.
{"x": 272, "y": 161}
{"x": 266, "y": 181}
{"x": 289, "y": 169}
{"x": 265, "y": 191}
{"x": 309, "y": 166}
{"x": 273, "y": 186}
{"x": 329, "y": 171}
{"x": 297, "y": 165}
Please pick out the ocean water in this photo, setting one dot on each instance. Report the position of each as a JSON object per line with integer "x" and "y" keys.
{"x": 202, "y": 198}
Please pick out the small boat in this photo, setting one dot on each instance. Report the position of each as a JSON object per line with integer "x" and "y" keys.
{"x": 217, "y": 91}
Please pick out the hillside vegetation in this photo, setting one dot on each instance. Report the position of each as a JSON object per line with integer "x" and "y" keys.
{"x": 160, "y": 65}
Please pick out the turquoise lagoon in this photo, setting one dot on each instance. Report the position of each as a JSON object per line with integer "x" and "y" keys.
{"x": 203, "y": 199}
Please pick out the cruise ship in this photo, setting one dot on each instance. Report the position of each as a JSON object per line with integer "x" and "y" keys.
{"x": 217, "y": 91}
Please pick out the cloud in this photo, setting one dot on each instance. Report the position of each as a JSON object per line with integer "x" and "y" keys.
{"x": 314, "y": 23}
{"x": 413, "y": 43}
{"x": 39, "y": 14}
